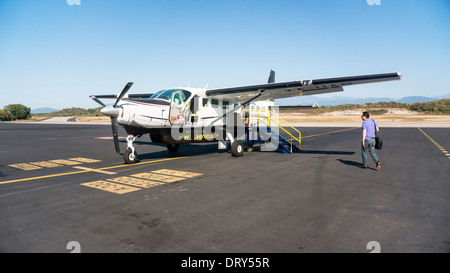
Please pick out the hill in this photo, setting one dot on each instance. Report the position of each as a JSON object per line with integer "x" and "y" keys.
{"x": 437, "y": 107}
{"x": 43, "y": 110}
{"x": 74, "y": 111}
{"x": 341, "y": 100}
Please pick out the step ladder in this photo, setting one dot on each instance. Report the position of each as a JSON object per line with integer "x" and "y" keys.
{"x": 286, "y": 144}
{"x": 289, "y": 138}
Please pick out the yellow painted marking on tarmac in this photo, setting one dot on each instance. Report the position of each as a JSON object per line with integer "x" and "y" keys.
{"x": 84, "y": 160}
{"x": 158, "y": 177}
{"x": 143, "y": 183}
{"x": 65, "y": 162}
{"x": 435, "y": 143}
{"x": 90, "y": 170}
{"x": 141, "y": 180}
{"x": 45, "y": 164}
{"x": 177, "y": 173}
{"x": 332, "y": 132}
{"x": 25, "y": 166}
{"x": 52, "y": 163}
{"x": 110, "y": 187}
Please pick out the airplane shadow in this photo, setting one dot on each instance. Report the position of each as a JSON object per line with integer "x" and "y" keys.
{"x": 184, "y": 150}
{"x": 321, "y": 152}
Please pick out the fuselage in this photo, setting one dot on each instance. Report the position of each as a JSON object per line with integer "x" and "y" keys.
{"x": 197, "y": 117}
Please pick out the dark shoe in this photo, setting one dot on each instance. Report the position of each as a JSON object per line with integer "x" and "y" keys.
{"x": 378, "y": 166}
{"x": 363, "y": 167}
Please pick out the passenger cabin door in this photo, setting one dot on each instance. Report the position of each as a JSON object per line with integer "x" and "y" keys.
{"x": 177, "y": 114}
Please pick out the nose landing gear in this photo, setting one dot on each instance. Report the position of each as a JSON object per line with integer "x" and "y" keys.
{"x": 130, "y": 156}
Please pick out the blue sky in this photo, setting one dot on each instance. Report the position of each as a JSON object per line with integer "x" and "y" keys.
{"x": 56, "y": 55}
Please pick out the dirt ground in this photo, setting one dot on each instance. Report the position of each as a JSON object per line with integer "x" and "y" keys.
{"x": 94, "y": 119}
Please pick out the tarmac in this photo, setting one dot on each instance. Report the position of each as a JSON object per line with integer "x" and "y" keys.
{"x": 64, "y": 183}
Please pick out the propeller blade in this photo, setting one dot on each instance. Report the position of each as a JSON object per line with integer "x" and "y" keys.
{"x": 124, "y": 91}
{"x": 97, "y": 101}
{"x": 115, "y": 134}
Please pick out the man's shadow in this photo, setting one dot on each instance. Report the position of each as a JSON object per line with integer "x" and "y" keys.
{"x": 352, "y": 163}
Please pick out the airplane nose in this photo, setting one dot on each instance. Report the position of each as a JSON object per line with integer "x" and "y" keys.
{"x": 110, "y": 111}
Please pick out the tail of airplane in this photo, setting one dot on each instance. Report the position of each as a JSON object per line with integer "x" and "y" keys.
{"x": 271, "y": 77}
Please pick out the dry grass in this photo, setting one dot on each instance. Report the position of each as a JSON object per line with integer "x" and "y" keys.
{"x": 355, "y": 116}
{"x": 94, "y": 119}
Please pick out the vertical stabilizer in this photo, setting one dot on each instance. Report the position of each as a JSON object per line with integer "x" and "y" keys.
{"x": 271, "y": 77}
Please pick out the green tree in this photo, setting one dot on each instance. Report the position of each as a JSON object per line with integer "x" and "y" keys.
{"x": 4, "y": 116}
{"x": 18, "y": 111}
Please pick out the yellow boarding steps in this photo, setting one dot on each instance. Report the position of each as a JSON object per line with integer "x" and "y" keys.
{"x": 289, "y": 137}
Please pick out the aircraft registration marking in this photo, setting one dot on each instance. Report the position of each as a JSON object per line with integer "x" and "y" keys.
{"x": 110, "y": 187}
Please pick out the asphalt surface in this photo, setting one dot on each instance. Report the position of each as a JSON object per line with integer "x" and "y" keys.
{"x": 317, "y": 200}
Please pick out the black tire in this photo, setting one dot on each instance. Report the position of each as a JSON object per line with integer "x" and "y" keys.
{"x": 237, "y": 148}
{"x": 173, "y": 148}
{"x": 129, "y": 157}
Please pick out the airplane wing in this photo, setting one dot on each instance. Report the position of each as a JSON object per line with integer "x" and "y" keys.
{"x": 272, "y": 90}
{"x": 131, "y": 96}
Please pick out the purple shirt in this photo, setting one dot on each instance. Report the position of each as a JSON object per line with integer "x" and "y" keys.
{"x": 369, "y": 126}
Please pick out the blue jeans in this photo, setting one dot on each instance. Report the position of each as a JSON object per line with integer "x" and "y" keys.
{"x": 370, "y": 145}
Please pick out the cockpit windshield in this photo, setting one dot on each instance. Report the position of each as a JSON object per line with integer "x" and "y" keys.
{"x": 167, "y": 94}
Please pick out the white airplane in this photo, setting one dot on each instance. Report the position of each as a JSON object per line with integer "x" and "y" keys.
{"x": 203, "y": 114}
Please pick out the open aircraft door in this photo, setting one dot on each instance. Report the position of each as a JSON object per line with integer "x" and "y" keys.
{"x": 177, "y": 114}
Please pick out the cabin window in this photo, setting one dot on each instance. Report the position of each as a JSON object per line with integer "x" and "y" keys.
{"x": 225, "y": 104}
{"x": 215, "y": 102}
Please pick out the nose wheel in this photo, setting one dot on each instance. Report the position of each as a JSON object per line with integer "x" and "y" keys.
{"x": 130, "y": 156}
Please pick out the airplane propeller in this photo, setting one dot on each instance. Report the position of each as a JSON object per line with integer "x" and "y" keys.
{"x": 113, "y": 112}
{"x": 124, "y": 91}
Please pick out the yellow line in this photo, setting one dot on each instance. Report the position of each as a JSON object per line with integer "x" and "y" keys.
{"x": 434, "y": 142}
{"x": 331, "y": 132}
{"x": 85, "y": 171}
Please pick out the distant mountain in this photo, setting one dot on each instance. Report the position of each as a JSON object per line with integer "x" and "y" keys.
{"x": 338, "y": 100}
{"x": 44, "y": 110}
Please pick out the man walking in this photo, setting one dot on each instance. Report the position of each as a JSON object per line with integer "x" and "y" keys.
{"x": 369, "y": 128}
